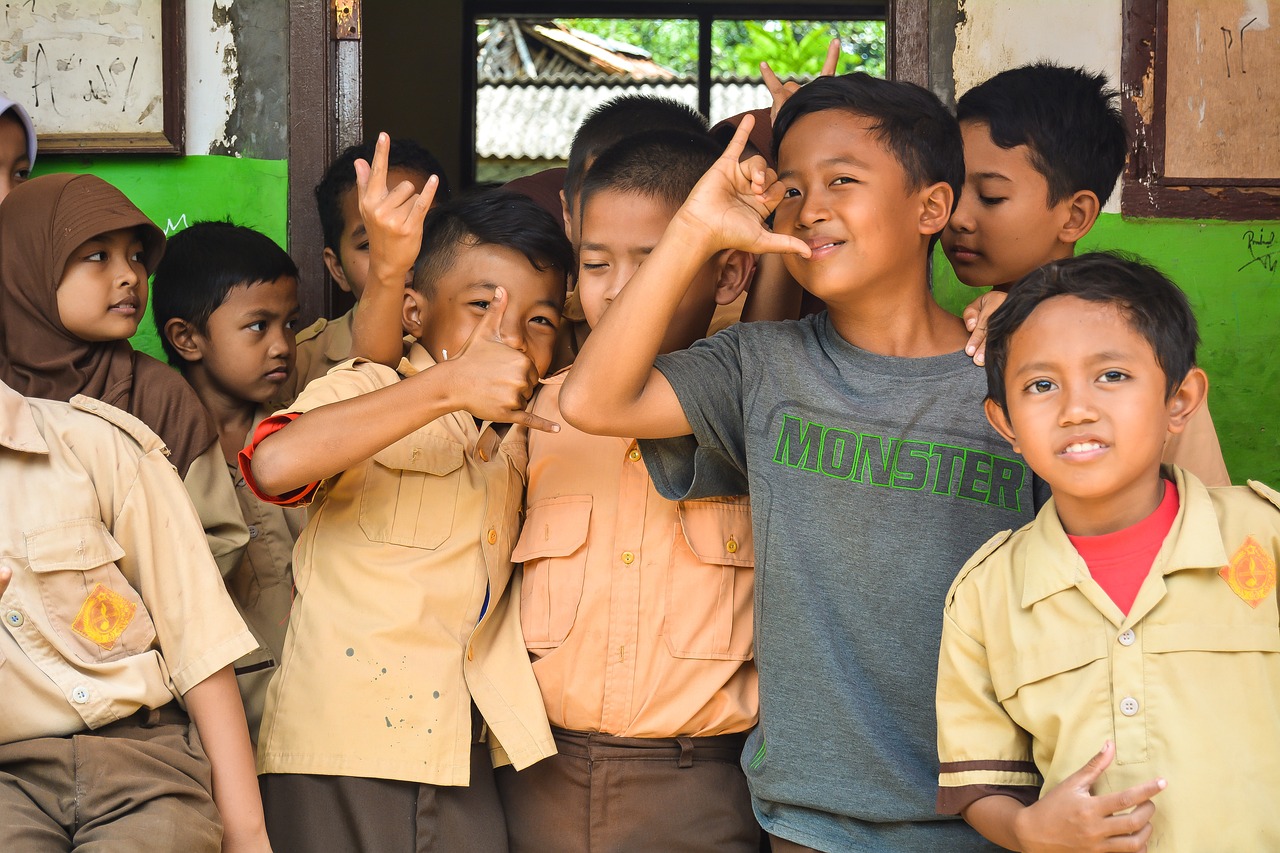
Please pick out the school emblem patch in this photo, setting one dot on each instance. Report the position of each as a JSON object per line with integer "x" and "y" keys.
{"x": 103, "y": 617}
{"x": 1251, "y": 574}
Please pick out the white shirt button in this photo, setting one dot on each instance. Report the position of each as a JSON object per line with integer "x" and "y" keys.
{"x": 14, "y": 618}
{"x": 1126, "y": 638}
{"x": 80, "y": 695}
{"x": 253, "y": 532}
{"x": 1128, "y": 706}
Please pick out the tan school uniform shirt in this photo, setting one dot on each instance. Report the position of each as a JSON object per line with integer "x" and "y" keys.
{"x": 1038, "y": 667}
{"x": 214, "y": 498}
{"x": 115, "y": 604}
{"x": 1196, "y": 449}
{"x": 322, "y": 346}
{"x": 636, "y": 610}
{"x": 386, "y": 647}
{"x": 262, "y": 585}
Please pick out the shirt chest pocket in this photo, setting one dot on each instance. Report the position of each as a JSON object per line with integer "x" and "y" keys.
{"x": 1049, "y": 681}
{"x": 710, "y": 582}
{"x": 410, "y": 492}
{"x": 553, "y": 549}
{"x": 89, "y": 605}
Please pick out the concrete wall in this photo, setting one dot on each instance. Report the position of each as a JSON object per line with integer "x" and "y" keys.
{"x": 1237, "y": 301}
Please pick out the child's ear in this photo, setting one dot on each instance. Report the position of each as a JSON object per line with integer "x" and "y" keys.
{"x": 999, "y": 419}
{"x": 736, "y": 269}
{"x": 566, "y": 215}
{"x": 334, "y": 266}
{"x": 184, "y": 337}
{"x": 1188, "y": 398}
{"x": 413, "y": 312}
{"x": 935, "y": 207}
{"x": 1082, "y": 211}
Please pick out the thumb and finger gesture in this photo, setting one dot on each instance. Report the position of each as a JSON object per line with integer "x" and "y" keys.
{"x": 782, "y": 91}
{"x": 732, "y": 200}
{"x": 392, "y": 216}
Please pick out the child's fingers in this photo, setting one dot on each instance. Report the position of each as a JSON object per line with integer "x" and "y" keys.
{"x": 381, "y": 154}
{"x": 1084, "y": 778}
{"x": 362, "y": 179}
{"x": 1132, "y": 823}
{"x": 1122, "y": 801}
{"x": 832, "y": 60}
{"x": 977, "y": 340}
{"x": 780, "y": 244}
{"x": 771, "y": 80}
{"x": 738, "y": 143}
{"x": 422, "y": 203}
{"x": 490, "y": 325}
{"x": 534, "y": 422}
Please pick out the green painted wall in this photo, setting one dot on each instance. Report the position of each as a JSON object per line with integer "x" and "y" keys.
{"x": 175, "y": 192}
{"x": 1231, "y": 273}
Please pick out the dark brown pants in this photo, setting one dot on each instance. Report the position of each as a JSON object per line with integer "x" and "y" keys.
{"x": 605, "y": 794}
{"x": 140, "y": 784}
{"x": 347, "y": 814}
{"x": 782, "y": 845}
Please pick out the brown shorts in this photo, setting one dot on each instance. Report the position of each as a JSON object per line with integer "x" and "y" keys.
{"x": 603, "y": 793}
{"x": 143, "y": 783}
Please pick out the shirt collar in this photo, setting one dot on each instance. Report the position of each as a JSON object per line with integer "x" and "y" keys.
{"x": 18, "y": 428}
{"x": 338, "y": 342}
{"x": 1194, "y": 542}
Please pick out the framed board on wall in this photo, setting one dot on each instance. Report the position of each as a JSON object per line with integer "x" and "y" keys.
{"x": 1201, "y": 85}
{"x": 97, "y": 76}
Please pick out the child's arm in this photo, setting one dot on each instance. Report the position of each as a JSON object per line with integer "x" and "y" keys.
{"x": 1069, "y": 817}
{"x": 487, "y": 378}
{"x": 218, "y": 715}
{"x": 393, "y": 223}
{"x": 613, "y": 388}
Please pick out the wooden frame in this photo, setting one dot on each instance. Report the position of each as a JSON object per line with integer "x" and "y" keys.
{"x": 74, "y": 70}
{"x": 1149, "y": 191}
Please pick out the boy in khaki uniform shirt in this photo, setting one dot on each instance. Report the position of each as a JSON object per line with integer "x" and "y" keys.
{"x": 225, "y": 300}
{"x": 636, "y": 609}
{"x": 115, "y": 621}
{"x": 403, "y": 656}
{"x": 1137, "y": 613}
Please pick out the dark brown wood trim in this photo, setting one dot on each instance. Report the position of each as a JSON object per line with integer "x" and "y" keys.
{"x": 907, "y": 41}
{"x": 1148, "y": 191}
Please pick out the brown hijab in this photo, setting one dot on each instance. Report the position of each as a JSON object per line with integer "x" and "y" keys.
{"x": 42, "y": 222}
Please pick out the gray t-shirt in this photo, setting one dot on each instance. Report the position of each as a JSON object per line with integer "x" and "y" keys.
{"x": 872, "y": 481}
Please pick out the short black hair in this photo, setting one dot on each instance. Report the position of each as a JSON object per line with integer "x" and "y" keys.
{"x": 1154, "y": 306}
{"x": 1067, "y": 118}
{"x": 201, "y": 264}
{"x": 908, "y": 119}
{"x": 341, "y": 176}
{"x": 662, "y": 165}
{"x": 617, "y": 119}
{"x": 493, "y": 217}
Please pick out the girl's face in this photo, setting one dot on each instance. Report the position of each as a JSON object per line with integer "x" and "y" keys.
{"x": 103, "y": 291}
{"x": 14, "y": 165}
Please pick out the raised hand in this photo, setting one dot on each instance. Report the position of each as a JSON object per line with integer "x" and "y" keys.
{"x": 782, "y": 91}
{"x": 392, "y": 217}
{"x": 495, "y": 380}
{"x": 1070, "y": 818}
{"x": 730, "y": 203}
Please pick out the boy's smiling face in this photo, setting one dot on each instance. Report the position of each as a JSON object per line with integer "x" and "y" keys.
{"x": 443, "y": 321}
{"x": 1087, "y": 408}
{"x": 1003, "y": 226}
{"x": 15, "y": 167}
{"x": 246, "y": 349}
{"x": 349, "y": 265}
{"x": 619, "y": 230}
{"x": 848, "y": 197}
{"x": 103, "y": 290}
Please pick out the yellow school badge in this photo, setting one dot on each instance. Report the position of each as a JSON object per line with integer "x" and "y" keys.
{"x": 1251, "y": 574}
{"x": 105, "y": 614}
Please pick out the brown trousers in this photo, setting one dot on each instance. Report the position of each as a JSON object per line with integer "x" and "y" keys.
{"x": 139, "y": 784}
{"x": 348, "y": 814}
{"x": 782, "y": 845}
{"x": 603, "y": 794}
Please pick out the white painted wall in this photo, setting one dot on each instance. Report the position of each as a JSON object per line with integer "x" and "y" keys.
{"x": 1000, "y": 34}
{"x": 212, "y": 67}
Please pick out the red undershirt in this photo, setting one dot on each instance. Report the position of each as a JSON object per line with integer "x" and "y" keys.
{"x": 1120, "y": 561}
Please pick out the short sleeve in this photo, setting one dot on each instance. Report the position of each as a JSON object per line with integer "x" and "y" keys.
{"x": 708, "y": 380}
{"x": 981, "y": 750}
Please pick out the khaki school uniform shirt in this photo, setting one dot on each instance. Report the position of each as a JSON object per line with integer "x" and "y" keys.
{"x": 262, "y": 584}
{"x": 1039, "y": 667}
{"x": 115, "y": 603}
{"x": 1196, "y": 449}
{"x": 637, "y": 610}
{"x": 225, "y": 532}
{"x": 386, "y": 647}
{"x": 321, "y": 346}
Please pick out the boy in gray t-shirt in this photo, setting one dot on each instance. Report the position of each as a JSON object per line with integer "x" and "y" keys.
{"x": 859, "y": 434}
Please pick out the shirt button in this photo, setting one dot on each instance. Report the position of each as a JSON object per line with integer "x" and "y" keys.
{"x": 1128, "y": 706}
{"x": 80, "y": 695}
{"x": 493, "y": 536}
{"x": 731, "y": 546}
{"x": 14, "y": 618}
{"x": 253, "y": 531}
{"x": 471, "y": 653}
{"x": 484, "y": 457}
{"x": 1127, "y": 638}
{"x": 628, "y": 558}
{"x": 634, "y": 455}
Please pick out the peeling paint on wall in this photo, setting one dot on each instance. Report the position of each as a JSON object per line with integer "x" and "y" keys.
{"x": 211, "y": 73}
{"x": 258, "y": 125}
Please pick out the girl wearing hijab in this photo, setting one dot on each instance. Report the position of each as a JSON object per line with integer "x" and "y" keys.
{"x": 75, "y": 255}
